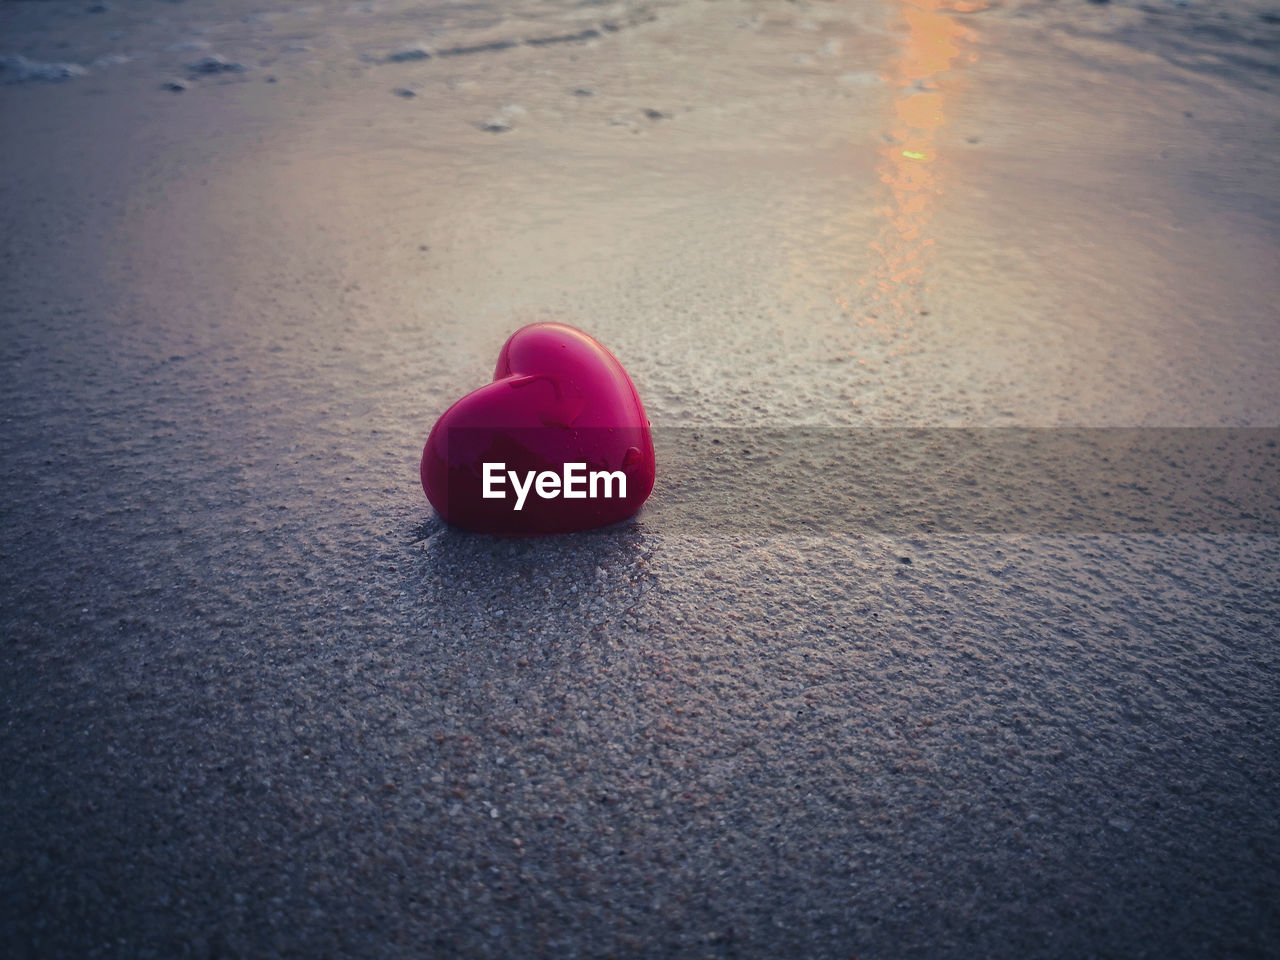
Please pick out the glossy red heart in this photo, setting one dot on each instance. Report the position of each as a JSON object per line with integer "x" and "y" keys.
{"x": 558, "y": 398}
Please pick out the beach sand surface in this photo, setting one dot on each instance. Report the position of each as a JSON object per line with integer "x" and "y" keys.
{"x": 257, "y": 700}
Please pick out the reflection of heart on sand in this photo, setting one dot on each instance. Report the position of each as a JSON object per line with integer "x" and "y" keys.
{"x": 558, "y": 397}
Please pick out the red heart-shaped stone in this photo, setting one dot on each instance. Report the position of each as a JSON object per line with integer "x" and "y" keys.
{"x": 557, "y": 398}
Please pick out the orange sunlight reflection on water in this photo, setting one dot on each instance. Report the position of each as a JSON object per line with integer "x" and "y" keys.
{"x": 922, "y": 73}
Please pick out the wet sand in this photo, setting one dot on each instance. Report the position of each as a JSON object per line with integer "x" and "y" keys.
{"x": 258, "y": 701}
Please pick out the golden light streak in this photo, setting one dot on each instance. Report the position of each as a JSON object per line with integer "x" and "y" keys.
{"x": 923, "y": 75}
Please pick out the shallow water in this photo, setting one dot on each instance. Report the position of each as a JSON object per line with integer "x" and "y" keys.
{"x": 258, "y": 699}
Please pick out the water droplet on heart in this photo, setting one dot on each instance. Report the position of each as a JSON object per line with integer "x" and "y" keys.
{"x": 632, "y": 457}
